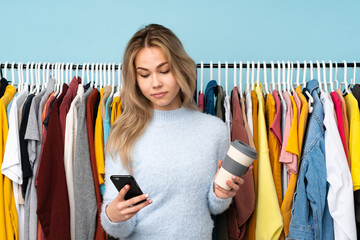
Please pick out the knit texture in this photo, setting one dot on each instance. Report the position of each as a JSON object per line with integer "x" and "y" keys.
{"x": 175, "y": 161}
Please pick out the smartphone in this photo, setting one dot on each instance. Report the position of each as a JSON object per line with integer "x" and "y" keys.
{"x": 121, "y": 180}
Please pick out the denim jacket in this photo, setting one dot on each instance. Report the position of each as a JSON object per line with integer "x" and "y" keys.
{"x": 310, "y": 216}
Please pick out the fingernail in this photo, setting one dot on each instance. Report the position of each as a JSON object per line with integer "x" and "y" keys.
{"x": 127, "y": 186}
{"x": 233, "y": 177}
{"x": 146, "y": 195}
{"x": 150, "y": 201}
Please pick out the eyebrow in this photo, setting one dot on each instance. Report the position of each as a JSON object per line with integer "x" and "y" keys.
{"x": 159, "y": 66}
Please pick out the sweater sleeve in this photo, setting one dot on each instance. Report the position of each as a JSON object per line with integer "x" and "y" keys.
{"x": 120, "y": 229}
{"x": 219, "y": 205}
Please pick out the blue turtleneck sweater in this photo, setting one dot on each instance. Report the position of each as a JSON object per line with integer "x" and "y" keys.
{"x": 175, "y": 162}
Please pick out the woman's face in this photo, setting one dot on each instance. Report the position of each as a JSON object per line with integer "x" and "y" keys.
{"x": 155, "y": 80}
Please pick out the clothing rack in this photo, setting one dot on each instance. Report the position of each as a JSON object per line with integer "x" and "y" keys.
{"x": 198, "y": 65}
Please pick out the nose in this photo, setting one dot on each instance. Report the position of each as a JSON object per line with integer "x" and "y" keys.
{"x": 156, "y": 81}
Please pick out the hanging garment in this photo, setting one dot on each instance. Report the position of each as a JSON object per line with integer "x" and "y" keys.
{"x": 210, "y": 97}
{"x": 66, "y": 102}
{"x": 32, "y": 125}
{"x": 340, "y": 195}
{"x": 249, "y": 112}
{"x": 34, "y": 137}
{"x": 228, "y": 116}
{"x": 11, "y": 165}
{"x": 115, "y": 109}
{"x": 286, "y": 205}
{"x": 275, "y": 130}
{"x": 246, "y": 125}
{"x": 201, "y": 101}
{"x": 53, "y": 203}
{"x": 69, "y": 152}
{"x": 292, "y": 145}
{"x": 8, "y": 214}
{"x": 3, "y": 84}
{"x": 346, "y": 122}
{"x": 311, "y": 217}
{"x": 274, "y": 149}
{"x": 356, "y": 92}
{"x": 219, "y": 105}
{"x": 107, "y": 119}
{"x": 283, "y": 121}
{"x": 25, "y": 163}
{"x": 91, "y": 111}
{"x": 340, "y": 123}
{"x": 268, "y": 217}
{"x": 99, "y": 143}
{"x": 250, "y": 232}
{"x": 84, "y": 189}
{"x": 243, "y": 203}
{"x": 352, "y": 111}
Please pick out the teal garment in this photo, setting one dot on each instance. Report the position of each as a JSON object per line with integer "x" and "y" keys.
{"x": 106, "y": 129}
{"x": 107, "y": 119}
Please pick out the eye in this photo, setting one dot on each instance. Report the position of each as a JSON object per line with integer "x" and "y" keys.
{"x": 145, "y": 76}
{"x": 165, "y": 72}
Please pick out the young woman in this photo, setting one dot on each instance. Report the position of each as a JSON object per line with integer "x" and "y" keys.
{"x": 172, "y": 149}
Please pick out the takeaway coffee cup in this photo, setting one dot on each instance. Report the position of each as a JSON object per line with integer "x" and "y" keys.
{"x": 237, "y": 160}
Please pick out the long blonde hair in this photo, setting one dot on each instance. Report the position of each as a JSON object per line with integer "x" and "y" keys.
{"x": 137, "y": 109}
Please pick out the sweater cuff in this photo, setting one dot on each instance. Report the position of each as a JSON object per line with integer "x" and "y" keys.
{"x": 120, "y": 229}
{"x": 217, "y": 205}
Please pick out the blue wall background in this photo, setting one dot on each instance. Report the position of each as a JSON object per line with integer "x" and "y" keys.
{"x": 97, "y": 31}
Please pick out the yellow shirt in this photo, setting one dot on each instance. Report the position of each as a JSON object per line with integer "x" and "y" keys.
{"x": 353, "y": 115}
{"x": 8, "y": 216}
{"x": 99, "y": 142}
{"x": 115, "y": 109}
{"x": 268, "y": 217}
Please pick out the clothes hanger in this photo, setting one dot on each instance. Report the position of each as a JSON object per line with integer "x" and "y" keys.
{"x": 82, "y": 81}
{"x": 67, "y": 69}
{"x": 345, "y": 76}
{"x": 252, "y": 75}
{"x": 288, "y": 87}
{"x": 284, "y": 76}
{"x": 319, "y": 75}
{"x": 273, "y": 75}
{"x": 201, "y": 76}
{"x": 5, "y": 68}
{"x": 247, "y": 77}
{"x": 291, "y": 77}
{"x": 57, "y": 81}
{"x": 240, "y": 78}
{"x": 298, "y": 73}
{"x": 265, "y": 78}
{"x": 279, "y": 81}
{"x": 304, "y": 76}
{"x": 13, "y": 74}
{"x": 354, "y": 75}
{"x": 336, "y": 71}
{"x": 235, "y": 67}
{"x": 100, "y": 75}
{"x": 211, "y": 71}
{"x": 226, "y": 78}
{"x": 88, "y": 73}
{"x": 311, "y": 70}
{"x": 38, "y": 78}
{"x": 1, "y": 73}
{"x": 219, "y": 73}
{"x": 61, "y": 76}
{"x": 258, "y": 74}
{"x": 117, "y": 94}
{"x": 96, "y": 74}
{"x": 43, "y": 76}
{"x": 33, "y": 85}
{"x": 76, "y": 71}
{"x": 92, "y": 75}
{"x": 19, "y": 76}
{"x": 324, "y": 76}
{"x": 331, "y": 76}
{"x": 113, "y": 81}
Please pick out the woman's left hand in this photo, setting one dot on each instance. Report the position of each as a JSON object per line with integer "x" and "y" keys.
{"x": 223, "y": 193}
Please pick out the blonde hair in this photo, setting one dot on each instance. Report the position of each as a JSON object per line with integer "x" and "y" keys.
{"x": 137, "y": 109}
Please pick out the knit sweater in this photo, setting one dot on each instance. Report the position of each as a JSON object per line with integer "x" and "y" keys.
{"x": 175, "y": 162}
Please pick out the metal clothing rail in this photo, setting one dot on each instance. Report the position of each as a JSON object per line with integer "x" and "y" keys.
{"x": 198, "y": 65}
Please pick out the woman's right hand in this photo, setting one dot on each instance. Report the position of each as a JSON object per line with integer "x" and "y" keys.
{"x": 120, "y": 210}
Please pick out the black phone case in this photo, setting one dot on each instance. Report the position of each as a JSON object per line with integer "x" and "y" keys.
{"x": 121, "y": 180}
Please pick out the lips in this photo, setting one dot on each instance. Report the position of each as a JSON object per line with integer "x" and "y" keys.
{"x": 159, "y": 94}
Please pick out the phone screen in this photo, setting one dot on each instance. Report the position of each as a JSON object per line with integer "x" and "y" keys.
{"x": 121, "y": 180}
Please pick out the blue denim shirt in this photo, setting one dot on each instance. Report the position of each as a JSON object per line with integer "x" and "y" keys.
{"x": 310, "y": 216}
{"x": 209, "y": 98}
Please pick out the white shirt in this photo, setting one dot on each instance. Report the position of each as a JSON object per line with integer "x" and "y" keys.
{"x": 340, "y": 195}
{"x": 249, "y": 111}
{"x": 228, "y": 117}
{"x": 69, "y": 153}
